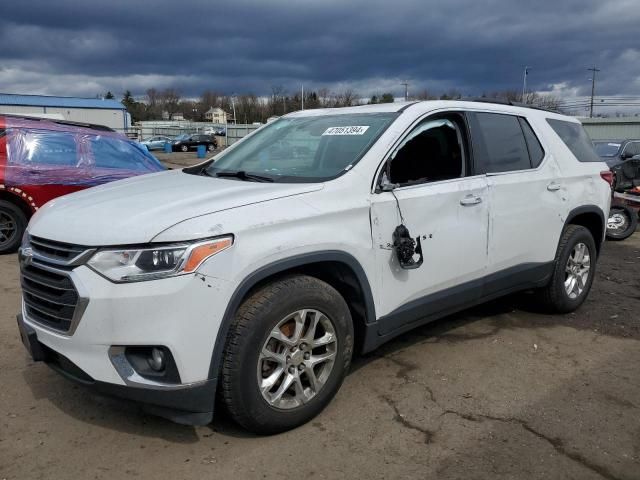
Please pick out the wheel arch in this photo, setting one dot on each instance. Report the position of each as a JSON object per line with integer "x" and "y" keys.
{"x": 339, "y": 269}
{"x": 592, "y": 218}
{"x": 16, "y": 200}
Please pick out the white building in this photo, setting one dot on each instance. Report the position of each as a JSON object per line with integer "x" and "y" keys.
{"x": 216, "y": 115}
{"x": 108, "y": 112}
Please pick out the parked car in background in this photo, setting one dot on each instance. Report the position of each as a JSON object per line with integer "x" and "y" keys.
{"x": 324, "y": 233}
{"x": 156, "y": 143}
{"x": 221, "y": 132}
{"x": 44, "y": 159}
{"x": 186, "y": 142}
{"x": 614, "y": 152}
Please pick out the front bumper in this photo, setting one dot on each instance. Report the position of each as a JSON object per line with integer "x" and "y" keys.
{"x": 188, "y": 404}
{"x": 180, "y": 313}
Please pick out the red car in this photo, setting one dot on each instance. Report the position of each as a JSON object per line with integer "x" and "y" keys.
{"x": 44, "y": 159}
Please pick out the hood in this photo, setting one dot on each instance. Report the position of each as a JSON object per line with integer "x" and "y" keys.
{"x": 136, "y": 209}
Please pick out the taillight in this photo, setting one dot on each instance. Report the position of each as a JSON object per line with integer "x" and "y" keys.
{"x": 607, "y": 176}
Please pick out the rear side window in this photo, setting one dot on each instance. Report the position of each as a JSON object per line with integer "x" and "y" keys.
{"x": 576, "y": 139}
{"x": 536, "y": 153}
{"x": 37, "y": 147}
{"x": 498, "y": 143}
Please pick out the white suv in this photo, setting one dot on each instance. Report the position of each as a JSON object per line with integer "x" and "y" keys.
{"x": 323, "y": 233}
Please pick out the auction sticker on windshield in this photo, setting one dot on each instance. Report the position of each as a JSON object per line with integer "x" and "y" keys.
{"x": 350, "y": 130}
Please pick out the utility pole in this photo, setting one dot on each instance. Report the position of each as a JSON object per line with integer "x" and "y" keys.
{"x": 524, "y": 84}
{"x": 594, "y": 69}
{"x": 302, "y": 98}
{"x": 406, "y": 91}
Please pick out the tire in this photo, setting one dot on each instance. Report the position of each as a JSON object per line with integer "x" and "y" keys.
{"x": 555, "y": 296}
{"x": 211, "y": 147}
{"x": 184, "y": 148}
{"x": 622, "y": 223}
{"x": 251, "y": 334}
{"x": 13, "y": 222}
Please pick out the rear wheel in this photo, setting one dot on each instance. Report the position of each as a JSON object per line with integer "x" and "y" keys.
{"x": 13, "y": 222}
{"x": 574, "y": 269}
{"x": 622, "y": 223}
{"x": 287, "y": 353}
{"x": 211, "y": 147}
{"x": 184, "y": 148}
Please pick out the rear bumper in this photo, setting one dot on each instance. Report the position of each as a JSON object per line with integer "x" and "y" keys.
{"x": 188, "y": 404}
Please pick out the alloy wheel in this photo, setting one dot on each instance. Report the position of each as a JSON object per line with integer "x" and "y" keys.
{"x": 577, "y": 270}
{"x": 297, "y": 358}
{"x": 8, "y": 228}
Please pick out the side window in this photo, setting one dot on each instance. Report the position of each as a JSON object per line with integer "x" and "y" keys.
{"x": 576, "y": 139}
{"x": 536, "y": 153}
{"x": 434, "y": 150}
{"x": 632, "y": 149}
{"x": 114, "y": 153}
{"x": 498, "y": 143}
{"x": 42, "y": 147}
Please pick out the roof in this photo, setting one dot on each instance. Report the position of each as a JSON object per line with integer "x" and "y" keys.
{"x": 70, "y": 102}
{"x": 630, "y": 120}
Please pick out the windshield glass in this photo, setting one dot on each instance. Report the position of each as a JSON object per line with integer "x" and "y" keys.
{"x": 607, "y": 149}
{"x": 305, "y": 149}
{"x": 184, "y": 136}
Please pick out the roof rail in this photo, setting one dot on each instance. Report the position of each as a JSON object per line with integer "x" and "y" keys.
{"x": 502, "y": 101}
{"x": 71, "y": 123}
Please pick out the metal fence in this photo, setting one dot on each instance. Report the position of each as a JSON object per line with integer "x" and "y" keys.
{"x": 147, "y": 129}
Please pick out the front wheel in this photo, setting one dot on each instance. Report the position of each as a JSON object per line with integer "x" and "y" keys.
{"x": 211, "y": 147}
{"x": 184, "y": 148}
{"x": 287, "y": 352}
{"x": 573, "y": 271}
{"x": 622, "y": 223}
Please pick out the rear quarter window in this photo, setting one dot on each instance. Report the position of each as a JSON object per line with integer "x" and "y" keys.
{"x": 576, "y": 139}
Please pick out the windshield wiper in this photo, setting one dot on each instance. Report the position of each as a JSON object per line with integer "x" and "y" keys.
{"x": 242, "y": 175}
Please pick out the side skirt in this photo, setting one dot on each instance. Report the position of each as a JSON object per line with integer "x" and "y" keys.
{"x": 446, "y": 302}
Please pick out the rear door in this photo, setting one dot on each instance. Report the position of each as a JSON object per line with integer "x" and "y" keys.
{"x": 526, "y": 198}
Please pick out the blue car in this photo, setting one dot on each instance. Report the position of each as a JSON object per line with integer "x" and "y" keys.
{"x": 156, "y": 143}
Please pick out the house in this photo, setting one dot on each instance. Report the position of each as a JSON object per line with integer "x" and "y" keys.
{"x": 216, "y": 115}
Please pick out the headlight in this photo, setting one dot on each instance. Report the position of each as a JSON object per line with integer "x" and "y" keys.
{"x": 138, "y": 264}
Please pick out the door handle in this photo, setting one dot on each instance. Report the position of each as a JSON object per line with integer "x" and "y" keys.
{"x": 554, "y": 187}
{"x": 470, "y": 200}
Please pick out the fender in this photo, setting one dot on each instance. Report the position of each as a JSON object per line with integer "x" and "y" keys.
{"x": 280, "y": 266}
{"x": 590, "y": 209}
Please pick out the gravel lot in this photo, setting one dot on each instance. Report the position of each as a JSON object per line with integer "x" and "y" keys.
{"x": 499, "y": 391}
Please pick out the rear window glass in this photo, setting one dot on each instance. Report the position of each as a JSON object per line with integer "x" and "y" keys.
{"x": 576, "y": 139}
{"x": 498, "y": 142}
{"x": 536, "y": 153}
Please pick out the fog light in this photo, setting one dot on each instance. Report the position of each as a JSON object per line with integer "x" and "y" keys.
{"x": 157, "y": 360}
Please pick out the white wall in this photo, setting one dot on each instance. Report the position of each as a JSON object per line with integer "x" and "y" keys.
{"x": 111, "y": 118}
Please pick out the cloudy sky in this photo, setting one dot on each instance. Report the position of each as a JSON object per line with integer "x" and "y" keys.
{"x": 85, "y": 47}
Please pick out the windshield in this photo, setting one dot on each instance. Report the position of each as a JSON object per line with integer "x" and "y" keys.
{"x": 305, "y": 149}
{"x": 607, "y": 149}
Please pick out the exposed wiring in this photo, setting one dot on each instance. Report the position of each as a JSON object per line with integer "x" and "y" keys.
{"x": 398, "y": 205}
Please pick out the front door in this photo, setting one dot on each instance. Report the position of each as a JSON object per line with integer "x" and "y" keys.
{"x": 432, "y": 196}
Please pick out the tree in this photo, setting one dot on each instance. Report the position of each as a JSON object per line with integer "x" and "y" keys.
{"x": 109, "y": 95}
{"x": 386, "y": 98}
{"x": 373, "y": 100}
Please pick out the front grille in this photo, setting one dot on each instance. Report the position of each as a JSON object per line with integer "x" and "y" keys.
{"x": 56, "y": 252}
{"x": 50, "y": 297}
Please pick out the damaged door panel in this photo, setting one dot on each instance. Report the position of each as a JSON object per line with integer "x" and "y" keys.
{"x": 453, "y": 237}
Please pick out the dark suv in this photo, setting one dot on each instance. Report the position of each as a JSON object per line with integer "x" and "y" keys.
{"x": 43, "y": 159}
{"x": 615, "y": 152}
{"x": 186, "y": 142}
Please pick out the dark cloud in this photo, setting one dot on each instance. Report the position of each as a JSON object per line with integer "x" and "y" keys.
{"x": 71, "y": 47}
